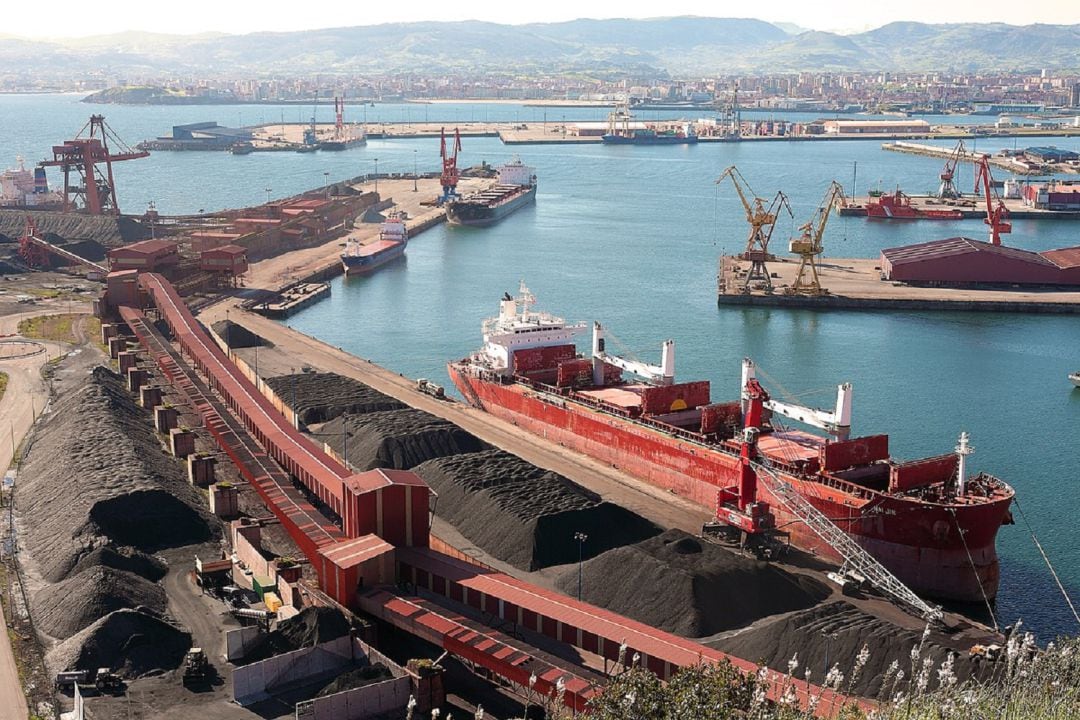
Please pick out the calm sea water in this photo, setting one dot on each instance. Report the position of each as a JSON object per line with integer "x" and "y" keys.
{"x": 630, "y": 236}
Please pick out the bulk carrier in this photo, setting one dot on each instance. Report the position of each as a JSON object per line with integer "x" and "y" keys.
{"x": 927, "y": 521}
{"x": 360, "y": 259}
{"x": 514, "y": 188}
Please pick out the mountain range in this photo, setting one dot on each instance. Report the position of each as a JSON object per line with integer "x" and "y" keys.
{"x": 676, "y": 46}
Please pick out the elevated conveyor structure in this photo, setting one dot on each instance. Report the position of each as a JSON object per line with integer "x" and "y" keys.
{"x": 270, "y": 453}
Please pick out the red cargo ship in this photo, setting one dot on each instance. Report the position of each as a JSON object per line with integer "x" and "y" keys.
{"x": 925, "y": 520}
{"x": 898, "y": 207}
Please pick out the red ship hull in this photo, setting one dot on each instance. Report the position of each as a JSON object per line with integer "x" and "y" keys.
{"x": 943, "y": 551}
{"x": 898, "y": 207}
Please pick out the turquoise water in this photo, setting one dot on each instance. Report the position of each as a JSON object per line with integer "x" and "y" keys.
{"x": 630, "y": 236}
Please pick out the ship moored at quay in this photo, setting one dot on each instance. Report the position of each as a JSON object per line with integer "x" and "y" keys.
{"x": 514, "y": 188}
{"x": 927, "y": 521}
{"x": 359, "y": 259}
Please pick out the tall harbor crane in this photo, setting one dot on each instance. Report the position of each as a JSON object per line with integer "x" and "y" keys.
{"x": 809, "y": 246}
{"x": 92, "y": 189}
{"x": 947, "y": 190}
{"x": 450, "y": 174}
{"x": 997, "y": 216}
{"x": 761, "y": 221}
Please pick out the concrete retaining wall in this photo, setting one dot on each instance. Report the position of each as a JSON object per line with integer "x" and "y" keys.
{"x": 252, "y": 683}
{"x": 359, "y": 703}
{"x": 239, "y": 640}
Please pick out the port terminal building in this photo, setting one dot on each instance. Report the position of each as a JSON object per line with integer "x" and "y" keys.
{"x": 961, "y": 261}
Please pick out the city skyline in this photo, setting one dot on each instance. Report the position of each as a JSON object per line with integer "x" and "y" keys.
{"x": 66, "y": 20}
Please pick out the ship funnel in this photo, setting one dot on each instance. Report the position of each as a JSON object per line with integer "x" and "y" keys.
{"x": 667, "y": 362}
{"x": 842, "y": 417}
{"x": 963, "y": 449}
{"x": 507, "y": 308}
{"x": 597, "y": 354}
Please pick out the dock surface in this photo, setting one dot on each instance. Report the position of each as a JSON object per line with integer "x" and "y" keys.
{"x": 855, "y": 283}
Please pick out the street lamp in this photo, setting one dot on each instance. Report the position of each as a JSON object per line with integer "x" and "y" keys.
{"x": 581, "y": 538}
{"x": 414, "y": 170}
{"x": 326, "y": 182}
{"x": 376, "y": 175}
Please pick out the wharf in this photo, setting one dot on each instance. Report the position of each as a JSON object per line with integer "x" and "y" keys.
{"x": 969, "y": 206}
{"x": 292, "y": 299}
{"x": 1005, "y": 163}
{"x": 856, "y": 284}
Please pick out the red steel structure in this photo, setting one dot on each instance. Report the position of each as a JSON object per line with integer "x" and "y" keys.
{"x": 450, "y": 174}
{"x": 997, "y": 216}
{"x": 83, "y": 157}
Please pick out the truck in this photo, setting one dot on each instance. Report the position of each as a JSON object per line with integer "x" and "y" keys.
{"x": 68, "y": 679}
{"x": 429, "y": 388}
{"x": 106, "y": 681}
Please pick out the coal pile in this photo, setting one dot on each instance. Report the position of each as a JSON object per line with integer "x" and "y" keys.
{"x": 96, "y": 476}
{"x": 311, "y": 626}
{"x": 130, "y": 642}
{"x": 525, "y": 515}
{"x": 129, "y": 560}
{"x": 236, "y": 335}
{"x": 680, "y": 584}
{"x": 63, "y": 609}
{"x": 359, "y": 677}
{"x": 323, "y": 396}
{"x": 397, "y": 439}
{"x": 835, "y": 633}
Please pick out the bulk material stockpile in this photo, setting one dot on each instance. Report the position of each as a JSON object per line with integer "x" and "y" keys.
{"x": 318, "y": 397}
{"x": 96, "y": 496}
{"x": 397, "y": 439}
{"x": 525, "y": 515}
{"x": 680, "y": 584}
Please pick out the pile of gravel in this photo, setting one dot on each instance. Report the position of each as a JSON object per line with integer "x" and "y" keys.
{"x": 127, "y": 559}
{"x": 63, "y": 609}
{"x": 397, "y": 439}
{"x": 130, "y": 642}
{"x": 96, "y": 476}
{"x": 236, "y": 335}
{"x": 358, "y": 677}
{"x": 525, "y": 515}
{"x": 834, "y": 633}
{"x": 680, "y": 584}
{"x": 323, "y": 396}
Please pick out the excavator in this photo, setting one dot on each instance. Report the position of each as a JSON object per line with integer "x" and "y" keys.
{"x": 809, "y": 246}
{"x": 761, "y": 221}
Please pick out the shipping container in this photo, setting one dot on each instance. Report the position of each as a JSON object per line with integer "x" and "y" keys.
{"x": 261, "y": 584}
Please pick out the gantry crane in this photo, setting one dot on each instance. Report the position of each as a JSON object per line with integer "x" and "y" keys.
{"x": 450, "y": 174}
{"x": 997, "y": 216}
{"x": 761, "y": 221}
{"x": 809, "y": 246}
{"x": 947, "y": 190}
{"x": 96, "y": 194}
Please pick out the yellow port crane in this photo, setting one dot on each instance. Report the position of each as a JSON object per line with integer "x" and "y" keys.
{"x": 809, "y": 246}
{"x": 761, "y": 221}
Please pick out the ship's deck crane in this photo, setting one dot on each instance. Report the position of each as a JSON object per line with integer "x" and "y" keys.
{"x": 947, "y": 190}
{"x": 662, "y": 374}
{"x": 809, "y": 246}
{"x": 450, "y": 174}
{"x": 339, "y": 117}
{"x": 997, "y": 216}
{"x": 95, "y": 192}
{"x": 761, "y": 223}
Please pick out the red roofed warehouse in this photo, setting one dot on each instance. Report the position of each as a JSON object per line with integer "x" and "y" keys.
{"x": 963, "y": 261}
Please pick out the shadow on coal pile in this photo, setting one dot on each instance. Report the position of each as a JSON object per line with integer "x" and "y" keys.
{"x": 149, "y": 519}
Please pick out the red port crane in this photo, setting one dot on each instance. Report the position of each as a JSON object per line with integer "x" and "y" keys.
{"x": 997, "y": 216}
{"x": 94, "y": 192}
{"x": 948, "y": 190}
{"x": 450, "y": 174}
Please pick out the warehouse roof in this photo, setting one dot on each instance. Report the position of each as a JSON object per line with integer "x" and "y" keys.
{"x": 952, "y": 247}
{"x": 1063, "y": 257}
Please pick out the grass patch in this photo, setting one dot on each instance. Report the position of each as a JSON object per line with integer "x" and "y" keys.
{"x": 3, "y": 384}
{"x": 50, "y": 327}
{"x": 45, "y": 293}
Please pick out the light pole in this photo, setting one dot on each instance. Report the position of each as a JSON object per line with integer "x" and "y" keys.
{"x": 268, "y": 195}
{"x": 376, "y": 175}
{"x": 581, "y": 538}
{"x": 414, "y": 170}
{"x": 326, "y": 182}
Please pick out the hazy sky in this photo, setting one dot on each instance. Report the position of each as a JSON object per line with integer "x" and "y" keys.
{"x": 66, "y": 18}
